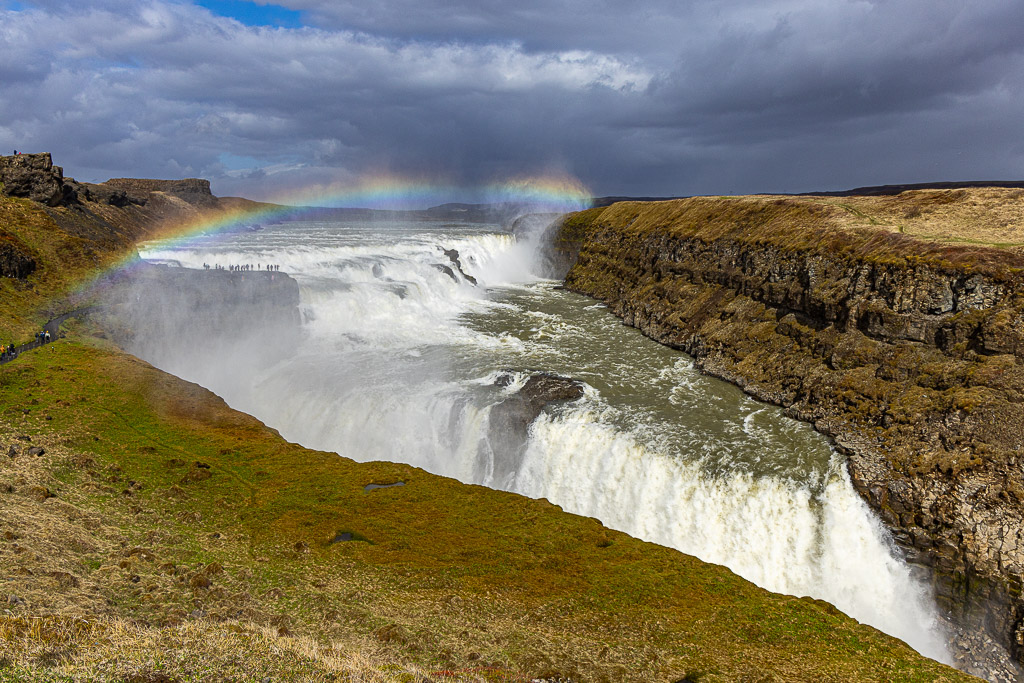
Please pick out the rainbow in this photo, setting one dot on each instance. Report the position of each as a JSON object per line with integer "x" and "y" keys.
{"x": 541, "y": 194}
{"x": 555, "y": 192}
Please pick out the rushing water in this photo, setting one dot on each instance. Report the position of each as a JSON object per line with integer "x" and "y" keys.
{"x": 398, "y": 362}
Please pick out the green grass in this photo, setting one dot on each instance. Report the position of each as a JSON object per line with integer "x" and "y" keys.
{"x": 535, "y": 589}
{"x": 191, "y": 539}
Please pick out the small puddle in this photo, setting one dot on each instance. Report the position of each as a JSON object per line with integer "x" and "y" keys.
{"x": 374, "y": 487}
{"x": 343, "y": 536}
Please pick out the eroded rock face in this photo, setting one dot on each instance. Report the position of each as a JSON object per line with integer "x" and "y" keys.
{"x": 915, "y": 369}
{"x": 195, "y": 191}
{"x": 33, "y": 176}
{"x": 144, "y": 186}
{"x": 105, "y": 194}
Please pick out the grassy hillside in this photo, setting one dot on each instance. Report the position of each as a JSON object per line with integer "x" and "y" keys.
{"x": 162, "y": 536}
{"x": 156, "y": 503}
{"x": 61, "y": 261}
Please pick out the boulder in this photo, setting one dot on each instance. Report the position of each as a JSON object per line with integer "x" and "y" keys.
{"x": 509, "y": 422}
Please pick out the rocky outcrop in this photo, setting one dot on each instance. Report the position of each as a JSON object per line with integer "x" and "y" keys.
{"x": 509, "y": 420}
{"x": 538, "y": 391}
{"x": 908, "y": 354}
{"x": 33, "y": 176}
{"x": 453, "y": 256}
{"x": 193, "y": 190}
{"x": 106, "y": 194}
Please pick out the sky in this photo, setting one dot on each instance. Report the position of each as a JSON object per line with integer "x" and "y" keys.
{"x": 647, "y": 97}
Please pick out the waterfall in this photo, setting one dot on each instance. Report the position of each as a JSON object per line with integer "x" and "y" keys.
{"x": 398, "y": 359}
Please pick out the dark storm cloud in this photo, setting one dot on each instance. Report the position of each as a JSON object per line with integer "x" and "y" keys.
{"x": 603, "y": 25}
{"x": 647, "y": 98}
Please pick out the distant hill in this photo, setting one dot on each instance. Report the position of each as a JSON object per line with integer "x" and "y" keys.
{"x": 867, "y": 191}
{"x": 885, "y": 190}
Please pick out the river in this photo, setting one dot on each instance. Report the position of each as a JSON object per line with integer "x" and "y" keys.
{"x": 399, "y": 359}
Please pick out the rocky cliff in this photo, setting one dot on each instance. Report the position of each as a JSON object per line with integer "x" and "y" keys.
{"x": 98, "y": 219}
{"x": 33, "y": 176}
{"x": 907, "y": 351}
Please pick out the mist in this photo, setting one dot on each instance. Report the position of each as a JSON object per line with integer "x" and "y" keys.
{"x": 444, "y": 345}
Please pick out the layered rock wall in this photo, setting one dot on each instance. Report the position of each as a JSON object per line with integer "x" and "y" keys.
{"x": 908, "y": 354}
{"x": 193, "y": 190}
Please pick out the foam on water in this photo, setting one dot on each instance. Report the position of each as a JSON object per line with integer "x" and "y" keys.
{"x": 399, "y": 362}
{"x": 786, "y": 536}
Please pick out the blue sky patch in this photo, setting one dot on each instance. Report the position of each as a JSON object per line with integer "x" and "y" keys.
{"x": 251, "y": 14}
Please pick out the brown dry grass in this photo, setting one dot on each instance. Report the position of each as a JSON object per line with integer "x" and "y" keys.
{"x": 65, "y": 563}
{"x": 979, "y": 229}
{"x": 80, "y": 649}
{"x": 988, "y": 216}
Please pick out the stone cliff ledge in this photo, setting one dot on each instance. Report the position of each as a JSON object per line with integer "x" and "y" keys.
{"x": 907, "y": 351}
{"x": 143, "y": 186}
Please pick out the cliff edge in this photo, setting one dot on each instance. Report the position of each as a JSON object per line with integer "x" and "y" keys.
{"x": 894, "y": 324}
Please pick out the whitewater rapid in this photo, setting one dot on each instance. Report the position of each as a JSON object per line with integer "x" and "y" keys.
{"x": 399, "y": 358}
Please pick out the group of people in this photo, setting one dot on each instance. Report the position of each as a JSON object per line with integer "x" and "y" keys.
{"x": 242, "y": 268}
{"x": 10, "y": 351}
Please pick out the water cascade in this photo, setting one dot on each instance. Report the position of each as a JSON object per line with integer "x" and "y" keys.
{"x": 400, "y": 359}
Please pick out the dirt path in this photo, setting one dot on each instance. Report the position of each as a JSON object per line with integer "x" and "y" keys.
{"x": 53, "y": 327}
